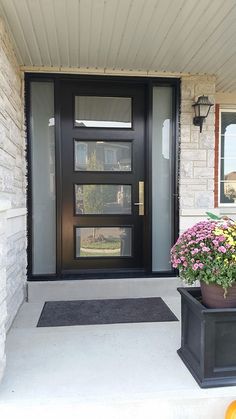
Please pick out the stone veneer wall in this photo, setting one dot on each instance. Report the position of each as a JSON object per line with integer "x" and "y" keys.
{"x": 12, "y": 189}
{"x": 196, "y": 152}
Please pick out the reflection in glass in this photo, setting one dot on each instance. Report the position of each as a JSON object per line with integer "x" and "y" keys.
{"x": 102, "y": 199}
{"x": 228, "y": 144}
{"x": 228, "y": 190}
{"x": 103, "y": 112}
{"x": 103, "y": 156}
{"x": 228, "y": 158}
{"x": 228, "y": 169}
{"x": 103, "y": 241}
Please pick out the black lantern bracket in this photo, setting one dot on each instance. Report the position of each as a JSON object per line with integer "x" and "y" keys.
{"x": 201, "y": 108}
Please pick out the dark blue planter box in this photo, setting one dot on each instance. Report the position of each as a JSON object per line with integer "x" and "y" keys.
{"x": 208, "y": 341}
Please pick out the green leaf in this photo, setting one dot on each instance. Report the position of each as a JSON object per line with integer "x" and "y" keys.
{"x": 213, "y": 216}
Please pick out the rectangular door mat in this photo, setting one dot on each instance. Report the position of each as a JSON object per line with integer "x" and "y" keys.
{"x": 85, "y": 312}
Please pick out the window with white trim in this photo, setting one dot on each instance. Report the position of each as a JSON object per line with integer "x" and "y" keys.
{"x": 227, "y": 157}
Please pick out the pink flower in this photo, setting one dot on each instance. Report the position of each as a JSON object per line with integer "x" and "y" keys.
{"x": 194, "y": 251}
{"x": 200, "y": 241}
{"x": 222, "y": 249}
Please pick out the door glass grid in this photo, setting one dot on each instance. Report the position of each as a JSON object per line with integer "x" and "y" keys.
{"x": 105, "y": 165}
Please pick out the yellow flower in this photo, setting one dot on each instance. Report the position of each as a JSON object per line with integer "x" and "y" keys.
{"x": 218, "y": 232}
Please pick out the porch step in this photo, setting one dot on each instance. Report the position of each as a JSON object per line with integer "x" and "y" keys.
{"x": 101, "y": 288}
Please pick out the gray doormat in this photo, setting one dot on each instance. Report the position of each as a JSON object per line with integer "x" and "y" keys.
{"x": 85, "y": 312}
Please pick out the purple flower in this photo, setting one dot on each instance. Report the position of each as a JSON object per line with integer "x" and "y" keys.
{"x": 196, "y": 249}
{"x": 206, "y": 249}
{"x": 222, "y": 249}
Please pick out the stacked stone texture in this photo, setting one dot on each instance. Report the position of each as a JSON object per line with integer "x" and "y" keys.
{"x": 196, "y": 150}
{"x": 12, "y": 188}
{"x": 3, "y": 306}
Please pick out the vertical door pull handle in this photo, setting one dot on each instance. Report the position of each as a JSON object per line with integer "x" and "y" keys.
{"x": 140, "y": 204}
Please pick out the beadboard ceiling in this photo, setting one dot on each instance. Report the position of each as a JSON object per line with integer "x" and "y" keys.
{"x": 179, "y": 36}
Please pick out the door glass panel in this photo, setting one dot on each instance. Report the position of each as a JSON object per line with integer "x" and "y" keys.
{"x": 103, "y": 156}
{"x": 43, "y": 178}
{"x": 103, "y": 241}
{"x": 103, "y": 112}
{"x": 162, "y": 172}
{"x": 102, "y": 199}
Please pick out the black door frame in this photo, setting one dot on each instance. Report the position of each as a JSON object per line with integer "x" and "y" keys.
{"x": 148, "y": 83}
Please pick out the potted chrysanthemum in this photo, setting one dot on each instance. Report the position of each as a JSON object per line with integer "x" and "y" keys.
{"x": 207, "y": 252}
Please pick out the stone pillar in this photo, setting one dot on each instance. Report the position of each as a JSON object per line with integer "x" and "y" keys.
{"x": 12, "y": 173}
{"x": 4, "y": 207}
{"x": 196, "y": 152}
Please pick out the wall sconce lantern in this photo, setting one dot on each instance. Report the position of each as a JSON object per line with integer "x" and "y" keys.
{"x": 201, "y": 108}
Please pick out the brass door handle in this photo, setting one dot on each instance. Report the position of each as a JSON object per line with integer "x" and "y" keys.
{"x": 140, "y": 204}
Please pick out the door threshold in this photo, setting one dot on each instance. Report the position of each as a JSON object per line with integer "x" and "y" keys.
{"x": 103, "y": 289}
{"x": 101, "y": 275}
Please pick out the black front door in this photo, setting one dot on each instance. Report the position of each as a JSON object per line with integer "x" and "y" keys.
{"x": 103, "y": 158}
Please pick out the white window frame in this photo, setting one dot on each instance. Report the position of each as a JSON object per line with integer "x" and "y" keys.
{"x": 220, "y": 204}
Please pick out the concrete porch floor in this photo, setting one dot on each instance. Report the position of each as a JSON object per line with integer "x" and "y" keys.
{"x": 103, "y": 371}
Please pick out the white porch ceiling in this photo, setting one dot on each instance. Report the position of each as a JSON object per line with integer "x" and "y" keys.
{"x": 179, "y": 36}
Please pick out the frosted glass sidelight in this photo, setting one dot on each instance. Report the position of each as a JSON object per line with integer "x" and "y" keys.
{"x": 162, "y": 178}
{"x": 43, "y": 178}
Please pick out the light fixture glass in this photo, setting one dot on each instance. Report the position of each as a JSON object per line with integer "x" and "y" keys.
{"x": 201, "y": 108}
